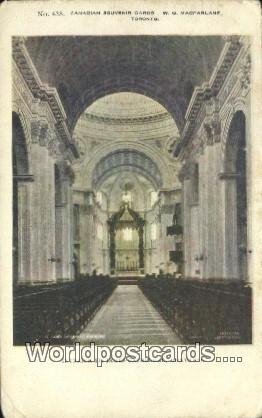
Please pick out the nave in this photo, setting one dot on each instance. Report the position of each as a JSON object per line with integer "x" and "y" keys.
{"x": 155, "y": 310}
{"x": 127, "y": 317}
{"x": 132, "y": 159}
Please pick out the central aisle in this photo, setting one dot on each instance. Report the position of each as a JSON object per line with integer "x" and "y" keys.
{"x": 128, "y": 317}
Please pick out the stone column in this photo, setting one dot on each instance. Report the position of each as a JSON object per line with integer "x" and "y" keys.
{"x": 23, "y": 244}
{"x": 147, "y": 244}
{"x": 250, "y": 186}
{"x": 157, "y": 243}
{"x": 42, "y": 216}
{"x": 106, "y": 267}
{"x": 218, "y": 215}
{"x": 221, "y": 210}
{"x": 209, "y": 209}
{"x": 64, "y": 224}
{"x": 202, "y": 214}
{"x": 194, "y": 241}
{"x": 83, "y": 239}
{"x": 141, "y": 248}
{"x": 88, "y": 235}
{"x": 187, "y": 226}
{"x": 148, "y": 267}
{"x": 230, "y": 265}
{"x": 165, "y": 221}
{"x": 216, "y": 258}
{"x": 91, "y": 239}
{"x": 169, "y": 242}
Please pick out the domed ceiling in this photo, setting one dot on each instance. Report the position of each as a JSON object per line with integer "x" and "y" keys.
{"x": 85, "y": 68}
{"x": 128, "y": 92}
{"x": 126, "y": 106}
{"x": 119, "y": 119}
{"x": 124, "y": 117}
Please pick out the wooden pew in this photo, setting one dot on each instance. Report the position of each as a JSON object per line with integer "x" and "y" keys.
{"x": 57, "y": 313}
{"x": 205, "y": 311}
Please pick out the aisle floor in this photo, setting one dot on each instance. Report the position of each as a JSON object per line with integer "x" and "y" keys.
{"x": 128, "y": 317}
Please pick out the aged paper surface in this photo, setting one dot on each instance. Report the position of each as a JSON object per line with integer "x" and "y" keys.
{"x": 131, "y": 389}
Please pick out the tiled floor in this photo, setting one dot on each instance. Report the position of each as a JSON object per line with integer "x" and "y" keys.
{"x": 128, "y": 317}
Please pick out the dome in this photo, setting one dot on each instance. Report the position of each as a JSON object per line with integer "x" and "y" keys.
{"x": 126, "y": 105}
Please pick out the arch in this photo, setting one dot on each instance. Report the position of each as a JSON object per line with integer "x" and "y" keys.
{"x": 128, "y": 160}
{"x": 20, "y": 153}
{"x": 126, "y": 217}
{"x": 20, "y": 202}
{"x": 19, "y": 109}
{"x": 239, "y": 105}
{"x": 236, "y": 138}
{"x": 131, "y": 84}
{"x": 236, "y": 194}
{"x": 173, "y": 64}
{"x": 102, "y": 148}
{"x": 102, "y": 151}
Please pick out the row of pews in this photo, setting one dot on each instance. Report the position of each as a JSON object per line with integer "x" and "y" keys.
{"x": 206, "y": 311}
{"x": 57, "y": 313}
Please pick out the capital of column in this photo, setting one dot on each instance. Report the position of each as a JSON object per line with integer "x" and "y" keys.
{"x": 41, "y": 134}
{"x": 208, "y": 132}
{"x": 216, "y": 130}
{"x": 66, "y": 172}
{"x": 213, "y": 131}
{"x": 39, "y": 129}
{"x": 187, "y": 171}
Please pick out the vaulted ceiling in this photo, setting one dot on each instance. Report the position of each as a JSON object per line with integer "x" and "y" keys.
{"x": 126, "y": 160}
{"x": 165, "y": 68}
{"x": 125, "y": 93}
{"x": 125, "y": 118}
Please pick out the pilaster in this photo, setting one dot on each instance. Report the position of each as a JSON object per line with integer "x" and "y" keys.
{"x": 64, "y": 223}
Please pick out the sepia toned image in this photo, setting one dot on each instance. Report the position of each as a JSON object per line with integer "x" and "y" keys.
{"x": 131, "y": 189}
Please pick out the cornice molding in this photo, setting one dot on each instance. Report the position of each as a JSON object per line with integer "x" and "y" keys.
{"x": 159, "y": 117}
{"x": 42, "y": 91}
{"x": 209, "y": 89}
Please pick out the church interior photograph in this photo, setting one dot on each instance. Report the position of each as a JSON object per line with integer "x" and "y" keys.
{"x": 131, "y": 189}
